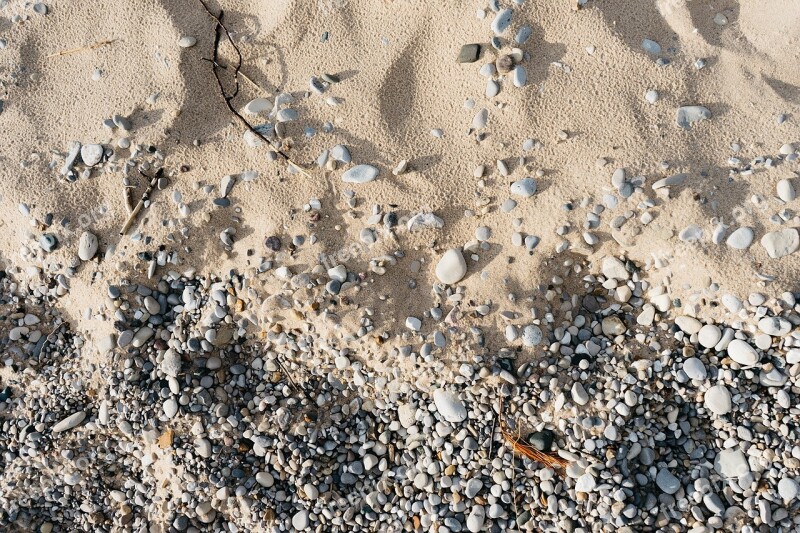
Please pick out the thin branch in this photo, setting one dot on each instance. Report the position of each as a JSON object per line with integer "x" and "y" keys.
{"x": 92, "y": 46}
{"x": 142, "y": 200}
{"x": 218, "y": 30}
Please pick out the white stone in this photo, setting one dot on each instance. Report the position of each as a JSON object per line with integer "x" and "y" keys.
{"x": 476, "y": 519}
{"x": 781, "y": 243}
{"x": 265, "y": 479}
{"x": 300, "y": 520}
{"x": 91, "y": 154}
{"x": 651, "y": 96}
{"x": 688, "y": 115}
{"x": 718, "y": 400}
{"x": 341, "y": 153}
{"x": 69, "y": 422}
{"x": 786, "y": 191}
{"x": 287, "y": 115}
{"x": 413, "y": 323}
{"x": 741, "y": 239}
{"x": 788, "y": 489}
{"x": 709, "y": 335}
{"x": 688, "y": 324}
{"x": 187, "y": 41}
{"x": 480, "y": 119}
{"x": 452, "y": 267}
{"x": 171, "y": 363}
{"x": 615, "y": 269}
{"x": 585, "y": 483}
{"x": 424, "y": 220}
{"x": 694, "y": 368}
{"x": 87, "y": 246}
{"x": 732, "y": 463}
{"x": 449, "y": 406}
{"x": 579, "y": 394}
{"x": 257, "y": 106}
{"x": 741, "y": 352}
{"x": 360, "y": 174}
{"x": 775, "y": 326}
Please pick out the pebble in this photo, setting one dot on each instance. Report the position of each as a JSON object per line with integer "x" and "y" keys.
{"x": 69, "y": 422}
{"x": 502, "y": 21}
{"x": 744, "y": 354}
{"x": 718, "y": 400}
{"x": 258, "y": 106}
{"x": 740, "y": 239}
{"x": 341, "y": 153}
{"x": 360, "y": 174}
{"x": 667, "y": 482}
{"x": 786, "y": 191}
{"x": 87, "y": 246}
{"x": 476, "y": 519}
{"x": 48, "y": 242}
{"x": 775, "y": 326}
{"x": 788, "y": 489}
{"x": 709, "y": 335}
{"x": 449, "y": 406}
{"x": 651, "y": 96}
{"x": 651, "y": 47}
{"x": 519, "y": 76}
{"x": 525, "y": 187}
{"x": 469, "y": 53}
{"x": 688, "y": 115}
{"x": 187, "y": 41}
{"x": 694, "y": 368}
{"x": 91, "y": 154}
{"x": 781, "y": 243}
{"x": 300, "y": 520}
{"x": 451, "y": 267}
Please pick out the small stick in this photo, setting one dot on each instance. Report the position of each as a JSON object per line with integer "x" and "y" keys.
{"x": 140, "y": 204}
{"x": 218, "y": 30}
{"x": 92, "y": 46}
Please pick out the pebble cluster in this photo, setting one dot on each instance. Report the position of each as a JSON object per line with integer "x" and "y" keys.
{"x": 664, "y": 423}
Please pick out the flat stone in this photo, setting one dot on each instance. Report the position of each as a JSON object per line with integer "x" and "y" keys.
{"x": 694, "y": 368}
{"x": 69, "y": 422}
{"x": 187, "y": 41}
{"x": 476, "y": 518}
{"x": 667, "y": 482}
{"x": 675, "y": 179}
{"x": 170, "y": 407}
{"x": 300, "y": 520}
{"x": 287, "y": 115}
{"x": 781, "y": 243}
{"x": 741, "y": 239}
{"x": 469, "y": 53}
{"x": 502, "y": 21}
{"x": 519, "y": 76}
{"x": 473, "y": 487}
{"x": 732, "y": 463}
{"x": 532, "y": 335}
{"x": 258, "y": 106}
{"x": 424, "y": 220}
{"x": 87, "y": 246}
{"x": 786, "y": 191}
{"x": 718, "y": 400}
{"x": 688, "y": 324}
{"x": 226, "y": 185}
{"x": 452, "y": 267}
{"x": 91, "y": 154}
{"x": 775, "y": 326}
{"x": 744, "y": 354}
{"x": 360, "y": 174}
{"x": 585, "y": 483}
{"x": 480, "y": 119}
{"x": 788, "y": 489}
{"x": 688, "y": 115}
{"x": 341, "y": 153}
{"x": 651, "y": 47}
{"x": 612, "y": 325}
{"x": 449, "y": 406}
{"x": 525, "y": 187}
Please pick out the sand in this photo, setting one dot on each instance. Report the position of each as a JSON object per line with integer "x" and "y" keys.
{"x": 587, "y": 77}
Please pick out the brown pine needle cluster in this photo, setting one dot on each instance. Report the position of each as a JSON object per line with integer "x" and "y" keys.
{"x": 520, "y": 447}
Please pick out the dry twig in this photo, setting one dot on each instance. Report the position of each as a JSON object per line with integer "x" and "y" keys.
{"x": 92, "y": 46}
{"x": 228, "y": 97}
{"x": 142, "y": 200}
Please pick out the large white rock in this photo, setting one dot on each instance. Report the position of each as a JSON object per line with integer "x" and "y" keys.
{"x": 741, "y": 352}
{"x": 449, "y": 406}
{"x": 613, "y": 268}
{"x": 709, "y": 335}
{"x": 781, "y": 243}
{"x": 775, "y": 325}
{"x": 718, "y": 400}
{"x": 452, "y": 267}
{"x": 732, "y": 463}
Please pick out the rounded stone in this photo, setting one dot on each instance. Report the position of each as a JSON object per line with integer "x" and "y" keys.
{"x": 449, "y": 406}
{"x": 694, "y": 368}
{"x": 718, "y": 400}
{"x": 709, "y": 335}
{"x": 452, "y": 267}
{"x": 741, "y": 352}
